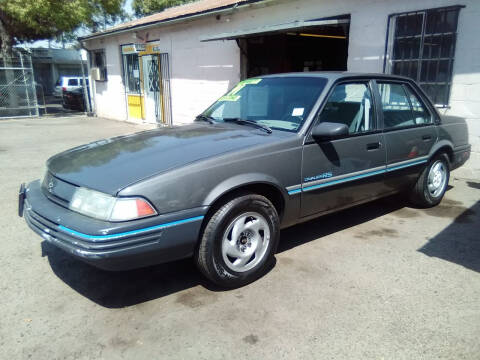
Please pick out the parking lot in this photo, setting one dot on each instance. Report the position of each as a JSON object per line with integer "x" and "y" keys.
{"x": 379, "y": 281}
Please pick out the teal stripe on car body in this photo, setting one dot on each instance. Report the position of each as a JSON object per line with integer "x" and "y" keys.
{"x": 389, "y": 168}
{"x": 129, "y": 233}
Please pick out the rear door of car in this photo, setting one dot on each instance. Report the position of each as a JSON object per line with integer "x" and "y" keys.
{"x": 340, "y": 172}
{"x": 409, "y": 131}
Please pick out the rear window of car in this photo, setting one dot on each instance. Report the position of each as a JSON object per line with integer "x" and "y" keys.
{"x": 72, "y": 82}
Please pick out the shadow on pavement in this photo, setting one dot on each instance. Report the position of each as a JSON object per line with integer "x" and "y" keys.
{"x": 473, "y": 184}
{"x": 460, "y": 241}
{"x": 53, "y": 108}
{"x": 123, "y": 288}
{"x": 127, "y": 288}
{"x": 332, "y": 223}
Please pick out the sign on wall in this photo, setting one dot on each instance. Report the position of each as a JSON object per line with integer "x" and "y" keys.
{"x": 142, "y": 49}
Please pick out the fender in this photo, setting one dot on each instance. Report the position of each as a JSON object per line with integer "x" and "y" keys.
{"x": 241, "y": 180}
{"x": 438, "y": 145}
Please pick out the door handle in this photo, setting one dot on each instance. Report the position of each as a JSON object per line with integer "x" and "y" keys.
{"x": 374, "y": 146}
{"x": 427, "y": 137}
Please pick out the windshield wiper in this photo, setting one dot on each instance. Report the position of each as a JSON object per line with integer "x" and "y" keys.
{"x": 206, "y": 118}
{"x": 249, "y": 122}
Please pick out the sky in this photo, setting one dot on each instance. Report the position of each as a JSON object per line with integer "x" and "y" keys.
{"x": 58, "y": 45}
{"x": 128, "y": 7}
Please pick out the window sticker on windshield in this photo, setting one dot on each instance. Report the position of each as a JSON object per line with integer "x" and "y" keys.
{"x": 242, "y": 84}
{"x": 232, "y": 95}
{"x": 298, "y": 111}
{"x": 229, "y": 98}
{"x": 251, "y": 81}
{"x": 236, "y": 89}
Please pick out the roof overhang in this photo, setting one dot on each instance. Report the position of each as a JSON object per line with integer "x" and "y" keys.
{"x": 272, "y": 29}
{"x": 173, "y": 20}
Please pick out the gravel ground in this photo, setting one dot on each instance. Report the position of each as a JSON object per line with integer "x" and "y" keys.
{"x": 379, "y": 281}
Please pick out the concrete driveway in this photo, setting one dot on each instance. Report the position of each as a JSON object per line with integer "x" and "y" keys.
{"x": 380, "y": 281}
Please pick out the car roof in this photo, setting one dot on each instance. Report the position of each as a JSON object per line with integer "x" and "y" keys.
{"x": 335, "y": 75}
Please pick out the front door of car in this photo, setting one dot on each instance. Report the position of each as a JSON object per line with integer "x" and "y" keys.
{"x": 339, "y": 172}
{"x": 409, "y": 132}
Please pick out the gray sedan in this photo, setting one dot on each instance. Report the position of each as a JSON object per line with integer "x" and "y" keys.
{"x": 271, "y": 153}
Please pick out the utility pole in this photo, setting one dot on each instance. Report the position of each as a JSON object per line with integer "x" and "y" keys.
{"x": 86, "y": 97}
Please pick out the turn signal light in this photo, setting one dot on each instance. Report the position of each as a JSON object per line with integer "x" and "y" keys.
{"x": 144, "y": 208}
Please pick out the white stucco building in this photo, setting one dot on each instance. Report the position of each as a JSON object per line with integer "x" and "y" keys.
{"x": 170, "y": 66}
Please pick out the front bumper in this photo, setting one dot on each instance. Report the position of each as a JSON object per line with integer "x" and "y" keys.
{"x": 112, "y": 246}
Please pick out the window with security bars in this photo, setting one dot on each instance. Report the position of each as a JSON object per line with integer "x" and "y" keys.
{"x": 131, "y": 73}
{"x": 97, "y": 59}
{"x": 421, "y": 45}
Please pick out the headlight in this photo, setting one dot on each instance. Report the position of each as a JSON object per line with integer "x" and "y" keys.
{"x": 105, "y": 207}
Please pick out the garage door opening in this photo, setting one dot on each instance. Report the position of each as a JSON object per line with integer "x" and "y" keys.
{"x": 314, "y": 45}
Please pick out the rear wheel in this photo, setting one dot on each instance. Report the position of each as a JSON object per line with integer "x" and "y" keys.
{"x": 239, "y": 241}
{"x": 432, "y": 183}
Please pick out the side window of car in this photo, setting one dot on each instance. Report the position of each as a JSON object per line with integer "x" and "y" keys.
{"x": 72, "y": 82}
{"x": 401, "y": 107}
{"x": 350, "y": 104}
{"x": 420, "y": 113}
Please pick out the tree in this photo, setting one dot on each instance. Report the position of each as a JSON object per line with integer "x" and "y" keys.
{"x": 147, "y": 7}
{"x": 30, "y": 20}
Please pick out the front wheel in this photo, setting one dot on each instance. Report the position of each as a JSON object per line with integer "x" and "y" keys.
{"x": 239, "y": 241}
{"x": 432, "y": 183}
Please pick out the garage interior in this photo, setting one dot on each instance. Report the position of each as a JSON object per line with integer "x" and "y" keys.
{"x": 314, "y": 45}
{"x": 319, "y": 48}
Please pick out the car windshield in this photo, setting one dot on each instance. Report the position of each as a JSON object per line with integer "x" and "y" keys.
{"x": 281, "y": 103}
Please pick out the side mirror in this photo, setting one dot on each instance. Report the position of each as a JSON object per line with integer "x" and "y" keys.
{"x": 329, "y": 131}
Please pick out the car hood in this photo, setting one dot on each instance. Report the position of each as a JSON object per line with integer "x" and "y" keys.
{"x": 110, "y": 165}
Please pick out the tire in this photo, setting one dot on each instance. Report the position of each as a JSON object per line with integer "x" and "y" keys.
{"x": 429, "y": 189}
{"x": 239, "y": 241}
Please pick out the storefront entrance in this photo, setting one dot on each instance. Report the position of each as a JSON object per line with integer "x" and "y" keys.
{"x": 146, "y": 76}
{"x": 151, "y": 87}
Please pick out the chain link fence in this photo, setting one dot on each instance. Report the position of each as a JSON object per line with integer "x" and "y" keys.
{"x": 18, "y": 95}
